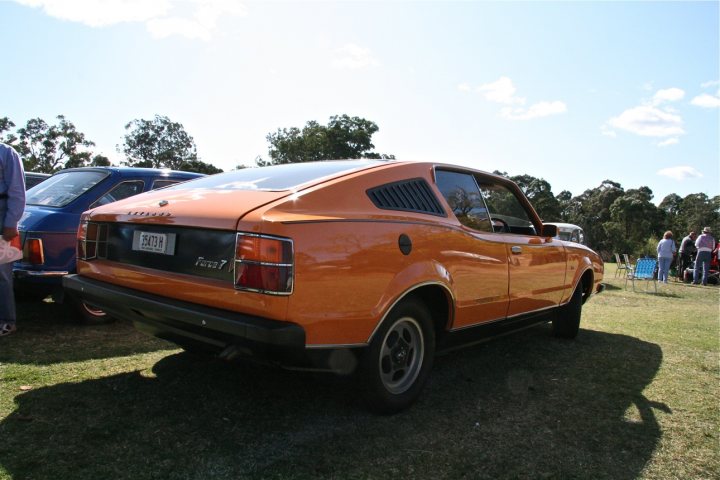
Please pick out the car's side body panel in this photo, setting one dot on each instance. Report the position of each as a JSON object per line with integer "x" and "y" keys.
{"x": 537, "y": 273}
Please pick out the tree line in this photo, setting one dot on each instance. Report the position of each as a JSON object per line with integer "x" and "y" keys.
{"x": 614, "y": 219}
{"x": 50, "y": 147}
{"x": 619, "y": 220}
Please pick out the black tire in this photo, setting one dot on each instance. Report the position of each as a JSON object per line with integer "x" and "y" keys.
{"x": 91, "y": 315}
{"x": 84, "y": 312}
{"x": 397, "y": 363}
{"x": 566, "y": 322}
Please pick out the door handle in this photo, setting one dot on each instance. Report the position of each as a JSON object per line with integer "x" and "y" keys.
{"x": 516, "y": 250}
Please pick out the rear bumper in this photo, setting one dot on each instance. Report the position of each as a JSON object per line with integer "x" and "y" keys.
{"x": 196, "y": 326}
{"x": 20, "y": 273}
{"x": 34, "y": 281}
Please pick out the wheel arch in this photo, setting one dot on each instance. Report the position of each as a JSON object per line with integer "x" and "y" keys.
{"x": 586, "y": 282}
{"x": 438, "y": 299}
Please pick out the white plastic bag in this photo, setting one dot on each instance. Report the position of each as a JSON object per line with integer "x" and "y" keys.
{"x": 10, "y": 251}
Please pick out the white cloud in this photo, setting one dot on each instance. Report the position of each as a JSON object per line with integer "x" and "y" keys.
{"x": 668, "y": 95}
{"x": 648, "y": 121}
{"x": 605, "y": 130}
{"x": 194, "y": 19}
{"x": 680, "y": 173}
{"x": 166, "y": 27}
{"x": 669, "y": 141}
{"x": 354, "y": 57}
{"x": 501, "y": 91}
{"x": 538, "y": 110}
{"x": 707, "y": 100}
{"x": 96, "y": 13}
{"x": 711, "y": 83}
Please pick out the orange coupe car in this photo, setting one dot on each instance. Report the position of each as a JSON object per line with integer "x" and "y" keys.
{"x": 362, "y": 266}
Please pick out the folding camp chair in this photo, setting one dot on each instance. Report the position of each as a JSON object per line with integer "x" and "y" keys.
{"x": 628, "y": 263}
{"x": 644, "y": 270}
{"x": 622, "y": 266}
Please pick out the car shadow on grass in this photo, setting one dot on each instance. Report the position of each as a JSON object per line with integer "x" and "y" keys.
{"x": 522, "y": 406}
{"x": 47, "y": 334}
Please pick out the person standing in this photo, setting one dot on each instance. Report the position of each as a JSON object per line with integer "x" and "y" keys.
{"x": 666, "y": 252}
{"x": 12, "y": 205}
{"x": 705, "y": 244}
{"x": 687, "y": 250}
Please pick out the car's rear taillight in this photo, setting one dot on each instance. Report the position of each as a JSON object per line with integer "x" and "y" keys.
{"x": 263, "y": 264}
{"x": 33, "y": 252}
{"x": 92, "y": 240}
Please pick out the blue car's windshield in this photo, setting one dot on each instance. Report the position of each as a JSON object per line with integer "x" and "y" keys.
{"x": 62, "y": 188}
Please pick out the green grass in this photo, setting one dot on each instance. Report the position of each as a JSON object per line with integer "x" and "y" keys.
{"x": 634, "y": 396}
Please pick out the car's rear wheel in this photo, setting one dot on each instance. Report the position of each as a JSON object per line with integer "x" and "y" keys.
{"x": 398, "y": 361}
{"x": 92, "y": 314}
{"x": 85, "y": 312}
{"x": 566, "y": 323}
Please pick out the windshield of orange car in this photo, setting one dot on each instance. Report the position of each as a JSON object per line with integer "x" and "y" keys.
{"x": 62, "y": 188}
{"x": 277, "y": 177}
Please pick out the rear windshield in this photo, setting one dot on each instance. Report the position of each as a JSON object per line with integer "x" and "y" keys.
{"x": 63, "y": 188}
{"x": 276, "y": 177}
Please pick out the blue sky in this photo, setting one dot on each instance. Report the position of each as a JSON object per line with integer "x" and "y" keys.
{"x": 572, "y": 92}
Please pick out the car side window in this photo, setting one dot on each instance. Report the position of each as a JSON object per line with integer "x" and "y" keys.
{"x": 505, "y": 209}
{"x": 463, "y": 196}
{"x": 163, "y": 183}
{"x": 120, "y": 191}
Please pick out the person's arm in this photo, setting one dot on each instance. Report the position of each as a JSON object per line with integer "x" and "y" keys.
{"x": 14, "y": 177}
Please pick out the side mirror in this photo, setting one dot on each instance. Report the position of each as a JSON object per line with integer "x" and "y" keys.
{"x": 549, "y": 230}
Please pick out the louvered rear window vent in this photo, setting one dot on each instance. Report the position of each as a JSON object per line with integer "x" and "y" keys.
{"x": 408, "y": 195}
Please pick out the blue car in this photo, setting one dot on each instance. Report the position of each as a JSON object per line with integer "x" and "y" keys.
{"x": 48, "y": 228}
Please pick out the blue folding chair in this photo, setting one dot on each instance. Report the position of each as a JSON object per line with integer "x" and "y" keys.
{"x": 645, "y": 271}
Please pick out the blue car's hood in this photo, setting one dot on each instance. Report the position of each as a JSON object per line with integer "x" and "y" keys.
{"x": 45, "y": 219}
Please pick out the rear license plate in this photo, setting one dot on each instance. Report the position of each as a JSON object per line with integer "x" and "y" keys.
{"x": 154, "y": 242}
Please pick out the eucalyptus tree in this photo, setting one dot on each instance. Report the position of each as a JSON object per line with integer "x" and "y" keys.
{"x": 342, "y": 138}
{"x": 162, "y": 143}
{"x": 47, "y": 148}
